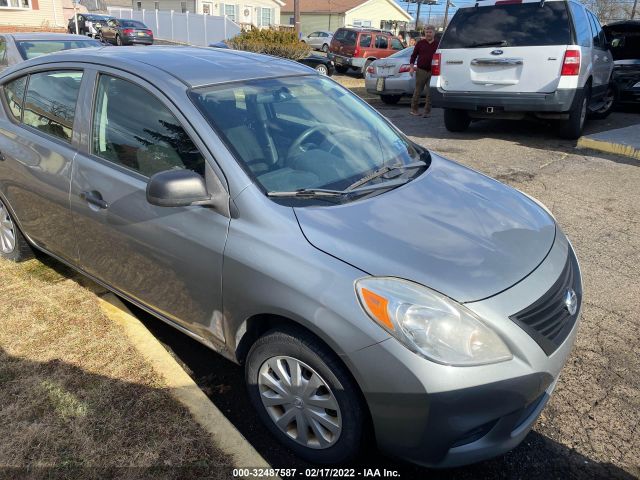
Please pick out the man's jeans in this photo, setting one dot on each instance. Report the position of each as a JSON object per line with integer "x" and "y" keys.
{"x": 422, "y": 79}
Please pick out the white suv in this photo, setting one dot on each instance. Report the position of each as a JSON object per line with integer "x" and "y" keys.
{"x": 512, "y": 58}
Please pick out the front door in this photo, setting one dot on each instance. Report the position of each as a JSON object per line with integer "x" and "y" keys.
{"x": 168, "y": 259}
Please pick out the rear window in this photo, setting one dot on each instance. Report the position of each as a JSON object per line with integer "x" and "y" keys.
{"x": 514, "y": 25}
{"x": 347, "y": 37}
{"x": 132, "y": 24}
{"x": 35, "y": 48}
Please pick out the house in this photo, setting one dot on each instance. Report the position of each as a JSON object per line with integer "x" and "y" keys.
{"x": 261, "y": 13}
{"x": 32, "y": 15}
{"x": 333, "y": 14}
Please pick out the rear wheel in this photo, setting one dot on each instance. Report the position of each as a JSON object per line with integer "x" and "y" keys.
{"x": 305, "y": 396}
{"x": 456, "y": 120}
{"x": 118, "y": 40}
{"x": 341, "y": 69}
{"x": 13, "y": 246}
{"x": 572, "y": 127}
{"x": 325, "y": 48}
{"x": 390, "y": 99}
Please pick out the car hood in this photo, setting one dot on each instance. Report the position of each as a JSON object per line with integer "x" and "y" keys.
{"x": 451, "y": 229}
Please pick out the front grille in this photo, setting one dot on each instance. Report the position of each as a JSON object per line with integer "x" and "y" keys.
{"x": 547, "y": 320}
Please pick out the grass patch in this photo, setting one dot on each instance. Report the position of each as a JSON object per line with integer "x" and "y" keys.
{"x": 77, "y": 400}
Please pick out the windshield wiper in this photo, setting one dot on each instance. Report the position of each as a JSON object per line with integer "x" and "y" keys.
{"x": 322, "y": 192}
{"x": 496, "y": 43}
{"x": 383, "y": 171}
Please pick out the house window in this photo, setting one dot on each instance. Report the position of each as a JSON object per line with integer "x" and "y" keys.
{"x": 139, "y": 5}
{"x": 183, "y": 7}
{"x": 362, "y": 23}
{"x": 230, "y": 11}
{"x": 156, "y": 5}
{"x": 15, "y": 4}
{"x": 266, "y": 17}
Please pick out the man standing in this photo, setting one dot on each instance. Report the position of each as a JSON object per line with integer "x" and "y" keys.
{"x": 423, "y": 52}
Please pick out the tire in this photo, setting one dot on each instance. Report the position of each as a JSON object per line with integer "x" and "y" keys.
{"x": 610, "y": 101}
{"x": 571, "y": 129}
{"x": 280, "y": 351}
{"x": 13, "y": 245}
{"x": 456, "y": 120}
{"x": 119, "y": 41}
{"x": 367, "y": 64}
{"x": 325, "y": 48}
{"x": 390, "y": 99}
{"x": 322, "y": 70}
{"x": 342, "y": 69}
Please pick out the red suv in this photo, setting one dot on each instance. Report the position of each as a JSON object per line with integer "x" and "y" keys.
{"x": 358, "y": 47}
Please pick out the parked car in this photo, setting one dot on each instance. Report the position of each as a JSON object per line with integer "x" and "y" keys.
{"x": 319, "y": 40}
{"x": 624, "y": 39}
{"x": 88, "y": 23}
{"x": 513, "y": 59}
{"x": 18, "y": 47}
{"x": 321, "y": 64}
{"x": 365, "y": 283}
{"x": 121, "y": 31}
{"x": 391, "y": 78}
{"x": 359, "y": 47}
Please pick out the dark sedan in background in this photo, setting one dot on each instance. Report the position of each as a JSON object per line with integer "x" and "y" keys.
{"x": 122, "y": 31}
{"x": 624, "y": 39}
{"x": 18, "y": 47}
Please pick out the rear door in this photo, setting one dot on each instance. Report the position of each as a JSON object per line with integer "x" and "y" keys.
{"x": 169, "y": 259}
{"x": 602, "y": 59}
{"x": 506, "y": 47}
{"x": 38, "y": 146}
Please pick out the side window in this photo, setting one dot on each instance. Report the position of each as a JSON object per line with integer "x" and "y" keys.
{"x": 14, "y": 93}
{"x": 3, "y": 52}
{"x": 382, "y": 42}
{"x": 583, "y": 29}
{"x": 133, "y": 128}
{"x": 365, "y": 40}
{"x": 396, "y": 44}
{"x": 50, "y": 102}
{"x": 595, "y": 31}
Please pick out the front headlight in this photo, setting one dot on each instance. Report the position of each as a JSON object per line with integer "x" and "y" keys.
{"x": 429, "y": 323}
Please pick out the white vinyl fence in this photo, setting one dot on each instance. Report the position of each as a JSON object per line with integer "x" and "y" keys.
{"x": 187, "y": 27}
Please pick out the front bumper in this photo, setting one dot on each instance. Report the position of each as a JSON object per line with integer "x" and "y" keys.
{"x": 442, "y": 416}
{"x": 558, "y": 101}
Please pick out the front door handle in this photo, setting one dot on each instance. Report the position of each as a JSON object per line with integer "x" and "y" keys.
{"x": 94, "y": 198}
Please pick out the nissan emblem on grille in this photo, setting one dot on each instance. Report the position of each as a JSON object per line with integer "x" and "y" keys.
{"x": 571, "y": 301}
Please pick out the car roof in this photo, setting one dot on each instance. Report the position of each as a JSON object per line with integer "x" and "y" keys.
{"x": 193, "y": 66}
{"x": 45, "y": 36}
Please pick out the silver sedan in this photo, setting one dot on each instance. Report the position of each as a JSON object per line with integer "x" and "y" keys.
{"x": 319, "y": 40}
{"x": 390, "y": 77}
{"x": 18, "y": 47}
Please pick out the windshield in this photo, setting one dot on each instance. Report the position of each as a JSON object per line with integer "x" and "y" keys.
{"x": 303, "y": 132}
{"x": 405, "y": 53}
{"x": 35, "y": 48}
{"x": 516, "y": 25}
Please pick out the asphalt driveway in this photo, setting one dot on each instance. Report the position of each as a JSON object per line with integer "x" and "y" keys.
{"x": 590, "y": 427}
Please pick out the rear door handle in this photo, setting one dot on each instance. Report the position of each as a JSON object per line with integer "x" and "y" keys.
{"x": 94, "y": 198}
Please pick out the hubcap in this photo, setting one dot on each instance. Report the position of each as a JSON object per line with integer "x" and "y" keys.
{"x": 300, "y": 402}
{"x": 322, "y": 70}
{"x": 7, "y": 231}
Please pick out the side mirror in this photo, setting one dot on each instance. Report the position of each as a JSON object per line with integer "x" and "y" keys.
{"x": 177, "y": 188}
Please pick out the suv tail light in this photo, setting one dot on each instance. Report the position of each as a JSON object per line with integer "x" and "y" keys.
{"x": 356, "y": 52}
{"x": 405, "y": 68}
{"x": 571, "y": 63}
{"x": 127, "y": 31}
{"x": 435, "y": 64}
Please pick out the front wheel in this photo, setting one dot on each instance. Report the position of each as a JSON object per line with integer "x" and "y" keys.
{"x": 13, "y": 245}
{"x": 390, "y": 99}
{"x": 456, "y": 120}
{"x": 322, "y": 70}
{"x": 571, "y": 128}
{"x": 305, "y": 396}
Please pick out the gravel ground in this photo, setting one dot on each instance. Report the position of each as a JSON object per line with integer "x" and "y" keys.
{"x": 590, "y": 427}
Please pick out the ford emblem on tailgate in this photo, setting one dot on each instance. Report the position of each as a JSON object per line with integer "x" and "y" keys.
{"x": 497, "y": 52}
